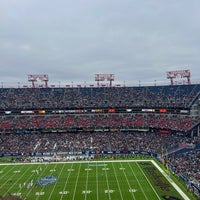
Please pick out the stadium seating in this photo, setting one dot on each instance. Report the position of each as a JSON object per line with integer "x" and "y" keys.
{"x": 51, "y": 120}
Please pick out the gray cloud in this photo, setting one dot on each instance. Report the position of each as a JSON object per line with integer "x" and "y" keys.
{"x": 74, "y": 40}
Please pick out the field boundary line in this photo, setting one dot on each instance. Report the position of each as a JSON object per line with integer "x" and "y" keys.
{"x": 91, "y": 161}
{"x": 185, "y": 197}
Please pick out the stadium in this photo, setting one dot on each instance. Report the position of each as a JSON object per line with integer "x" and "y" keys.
{"x": 103, "y": 141}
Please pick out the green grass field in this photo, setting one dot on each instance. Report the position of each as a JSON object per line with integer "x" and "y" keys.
{"x": 94, "y": 180}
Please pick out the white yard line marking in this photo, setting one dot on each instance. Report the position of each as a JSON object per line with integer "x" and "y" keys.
{"x": 41, "y": 191}
{"x": 97, "y": 183}
{"x": 117, "y": 182}
{"x": 86, "y": 185}
{"x": 76, "y": 181}
{"x": 129, "y": 185}
{"x": 56, "y": 183}
{"x": 107, "y": 184}
{"x": 137, "y": 181}
{"x": 148, "y": 181}
{"x": 5, "y": 174}
{"x": 16, "y": 182}
{"x": 32, "y": 175}
{"x": 65, "y": 186}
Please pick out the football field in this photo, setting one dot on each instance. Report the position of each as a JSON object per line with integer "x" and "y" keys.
{"x": 89, "y": 180}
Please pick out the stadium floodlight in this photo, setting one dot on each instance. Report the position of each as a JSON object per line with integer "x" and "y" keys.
{"x": 38, "y": 78}
{"x": 178, "y": 74}
{"x": 104, "y": 77}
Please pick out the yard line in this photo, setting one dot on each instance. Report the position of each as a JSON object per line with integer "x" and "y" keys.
{"x": 148, "y": 181}
{"x": 7, "y": 192}
{"x": 137, "y": 181}
{"x": 4, "y": 171}
{"x": 127, "y": 181}
{"x": 86, "y": 185}
{"x": 56, "y": 182}
{"x": 5, "y": 174}
{"x": 117, "y": 182}
{"x": 77, "y": 181}
{"x": 30, "y": 177}
{"x": 34, "y": 183}
{"x": 44, "y": 171}
{"x": 107, "y": 183}
{"x": 97, "y": 183}
{"x": 66, "y": 181}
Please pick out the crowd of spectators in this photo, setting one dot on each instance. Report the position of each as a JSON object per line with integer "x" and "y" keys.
{"x": 15, "y": 100}
{"x": 187, "y": 163}
{"x": 148, "y": 96}
{"x": 67, "y": 142}
{"x": 182, "y": 123}
{"x": 12, "y": 99}
{"x": 51, "y": 142}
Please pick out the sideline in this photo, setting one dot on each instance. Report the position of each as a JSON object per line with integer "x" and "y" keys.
{"x": 185, "y": 197}
{"x": 81, "y": 161}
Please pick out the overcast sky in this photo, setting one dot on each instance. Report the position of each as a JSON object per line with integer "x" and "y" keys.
{"x": 72, "y": 40}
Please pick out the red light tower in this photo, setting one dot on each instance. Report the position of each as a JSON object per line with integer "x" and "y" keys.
{"x": 38, "y": 78}
{"x": 179, "y": 74}
{"x": 104, "y": 77}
